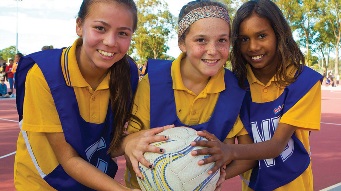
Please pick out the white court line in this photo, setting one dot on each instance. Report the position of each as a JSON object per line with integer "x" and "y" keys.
{"x": 331, "y": 98}
{"x": 10, "y": 154}
{"x": 332, "y": 187}
{"x": 9, "y": 120}
{"x": 337, "y": 124}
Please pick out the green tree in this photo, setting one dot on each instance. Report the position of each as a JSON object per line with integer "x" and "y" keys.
{"x": 232, "y": 6}
{"x": 153, "y": 31}
{"x": 8, "y": 52}
{"x": 334, "y": 19}
{"x": 325, "y": 38}
{"x": 301, "y": 15}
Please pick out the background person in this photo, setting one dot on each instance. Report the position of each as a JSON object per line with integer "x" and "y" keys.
{"x": 3, "y": 89}
{"x": 10, "y": 75}
{"x": 47, "y": 47}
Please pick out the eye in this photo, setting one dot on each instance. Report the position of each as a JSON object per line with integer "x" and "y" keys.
{"x": 123, "y": 33}
{"x": 243, "y": 39}
{"x": 200, "y": 40}
{"x": 99, "y": 28}
{"x": 223, "y": 40}
{"x": 261, "y": 36}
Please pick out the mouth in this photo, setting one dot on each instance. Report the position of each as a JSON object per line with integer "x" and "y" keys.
{"x": 257, "y": 58}
{"x": 107, "y": 54}
{"x": 210, "y": 61}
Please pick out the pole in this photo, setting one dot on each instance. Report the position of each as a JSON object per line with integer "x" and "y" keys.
{"x": 16, "y": 46}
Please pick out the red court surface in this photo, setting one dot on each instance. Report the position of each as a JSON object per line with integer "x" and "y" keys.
{"x": 325, "y": 144}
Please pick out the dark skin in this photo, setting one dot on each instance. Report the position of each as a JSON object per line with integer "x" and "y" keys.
{"x": 259, "y": 49}
{"x": 257, "y": 151}
{"x": 233, "y": 168}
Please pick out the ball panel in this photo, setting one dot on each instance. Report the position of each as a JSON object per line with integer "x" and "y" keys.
{"x": 176, "y": 169}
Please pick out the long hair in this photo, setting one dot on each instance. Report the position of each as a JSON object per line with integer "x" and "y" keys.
{"x": 288, "y": 51}
{"x": 121, "y": 100}
{"x": 121, "y": 94}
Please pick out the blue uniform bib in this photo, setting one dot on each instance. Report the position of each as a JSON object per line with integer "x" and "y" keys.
{"x": 163, "y": 108}
{"x": 91, "y": 141}
{"x": 261, "y": 121}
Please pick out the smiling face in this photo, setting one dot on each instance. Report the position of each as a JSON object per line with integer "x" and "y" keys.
{"x": 106, "y": 32}
{"x": 258, "y": 45}
{"x": 206, "y": 46}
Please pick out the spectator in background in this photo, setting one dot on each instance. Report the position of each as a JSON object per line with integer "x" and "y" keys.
{"x": 16, "y": 61}
{"x": 3, "y": 71}
{"x": 47, "y": 47}
{"x": 10, "y": 75}
{"x": 15, "y": 65}
{"x": 3, "y": 89}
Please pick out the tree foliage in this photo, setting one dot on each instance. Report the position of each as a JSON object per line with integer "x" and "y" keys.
{"x": 316, "y": 25}
{"x": 8, "y": 53}
{"x": 302, "y": 15}
{"x": 154, "y": 30}
{"x": 333, "y": 18}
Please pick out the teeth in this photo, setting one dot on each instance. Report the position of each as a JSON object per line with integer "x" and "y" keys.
{"x": 256, "y": 57}
{"x": 105, "y": 53}
{"x": 211, "y": 61}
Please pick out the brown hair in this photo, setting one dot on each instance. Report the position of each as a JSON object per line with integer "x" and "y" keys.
{"x": 288, "y": 51}
{"x": 121, "y": 94}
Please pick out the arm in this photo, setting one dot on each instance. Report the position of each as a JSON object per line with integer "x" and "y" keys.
{"x": 257, "y": 151}
{"x": 77, "y": 167}
{"x": 222, "y": 153}
{"x": 237, "y": 167}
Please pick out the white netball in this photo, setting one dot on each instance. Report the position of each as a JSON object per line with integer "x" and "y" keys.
{"x": 176, "y": 169}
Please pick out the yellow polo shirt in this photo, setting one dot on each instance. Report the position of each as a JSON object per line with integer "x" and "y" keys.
{"x": 40, "y": 116}
{"x": 305, "y": 115}
{"x": 191, "y": 109}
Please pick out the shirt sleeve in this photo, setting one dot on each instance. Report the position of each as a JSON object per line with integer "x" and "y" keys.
{"x": 141, "y": 107}
{"x": 306, "y": 113}
{"x": 237, "y": 130}
{"x": 39, "y": 113}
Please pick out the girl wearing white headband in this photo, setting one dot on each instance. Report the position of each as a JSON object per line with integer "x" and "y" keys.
{"x": 194, "y": 90}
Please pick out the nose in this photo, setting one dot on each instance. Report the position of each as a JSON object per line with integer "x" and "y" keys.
{"x": 253, "y": 45}
{"x": 212, "y": 48}
{"x": 110, "y": 40}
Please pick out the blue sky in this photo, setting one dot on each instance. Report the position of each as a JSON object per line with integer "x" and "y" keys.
{"x": 49, "y": 22}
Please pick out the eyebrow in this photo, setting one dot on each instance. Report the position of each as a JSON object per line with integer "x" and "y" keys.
{"x": 121, "y": 28}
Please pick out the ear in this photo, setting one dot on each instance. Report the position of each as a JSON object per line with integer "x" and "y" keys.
{"x": 79, "y": 27}
{"x": 182, "y": 46}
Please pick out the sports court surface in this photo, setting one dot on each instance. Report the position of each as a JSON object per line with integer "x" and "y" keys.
{"x": 325, "y": 144}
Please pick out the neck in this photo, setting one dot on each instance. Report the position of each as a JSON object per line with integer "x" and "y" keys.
{"x": 192, "y": 81}
{"x": 92, "y": 75}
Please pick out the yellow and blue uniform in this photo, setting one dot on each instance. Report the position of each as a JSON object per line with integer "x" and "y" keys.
{"x": 57, "y": 99}
{"x": 183, "y": 106}
{"x": 299, "y": 105}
